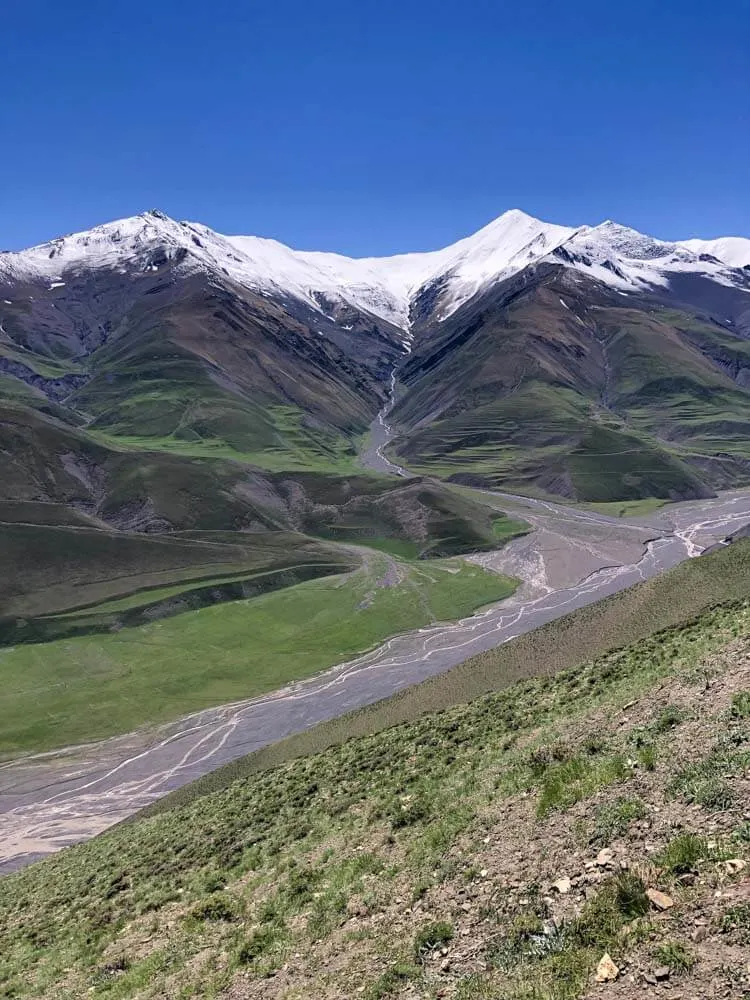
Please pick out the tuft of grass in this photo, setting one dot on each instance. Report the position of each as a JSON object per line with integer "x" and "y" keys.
{"x": 675, "y": 955}
{"x": 392, "y": 980}
{"x": 621, "y": 899}
{"x": 217, "y": 906}
{"x": 630, "y": 895}
{"x": 614, "y": 818}
{"x": 648, "y": 756}
{"x": 683, "y": 854}
{"x": 261, "y": 943}
{"x": 577, "y": 778}
{"x": 740, "y": 707}
{"x": 704, "y": 782}
{"x": 670, "y": 717}
{"x": 432, "y": 936}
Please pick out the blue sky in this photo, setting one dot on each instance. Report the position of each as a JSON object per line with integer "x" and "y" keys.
{"x": 375, "y": 127}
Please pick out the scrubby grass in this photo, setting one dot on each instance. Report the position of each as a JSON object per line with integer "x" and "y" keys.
{"x": 614, "y": 819}
{"x": 704, "y": 781}
{"x": 675, "y": 955}
{"x": 632, "y": 615}
{"x": 75, "y": 690}
{"x": 577, "y": 778}
{"x": 247, "y": 877}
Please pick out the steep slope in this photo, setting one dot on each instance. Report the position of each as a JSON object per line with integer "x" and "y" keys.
{"x": 498, "y": 848}
{"x": 593, "y": 362}
{"x": 560, "y": 381}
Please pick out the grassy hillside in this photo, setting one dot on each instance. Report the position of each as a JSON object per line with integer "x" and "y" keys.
{"x": 497, "y": 849}
{"x": 112, "y": 681}
{"x": 546, "y": 384}
{"x": 57, "y": 568}
{"x": 624, "y": 619}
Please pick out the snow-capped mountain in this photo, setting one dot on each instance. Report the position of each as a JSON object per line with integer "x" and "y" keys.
{"x": 385, "y": 287}
{"x": 732, "y": 250}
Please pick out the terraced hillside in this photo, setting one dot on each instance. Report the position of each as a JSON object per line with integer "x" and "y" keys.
{"x": 576, "y": 834}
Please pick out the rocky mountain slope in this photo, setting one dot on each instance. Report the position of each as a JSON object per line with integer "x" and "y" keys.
{"x": 593, "y": 363}
{"x": 582, "y": 834}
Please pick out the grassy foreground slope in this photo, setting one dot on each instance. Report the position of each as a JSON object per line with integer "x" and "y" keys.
{"x": 498, "y": 849}
{"x": 96, "y": 685}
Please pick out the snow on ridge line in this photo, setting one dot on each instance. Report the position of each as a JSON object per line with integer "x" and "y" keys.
{"x": 384, "y": 286}
{"x": 733, "y": 250}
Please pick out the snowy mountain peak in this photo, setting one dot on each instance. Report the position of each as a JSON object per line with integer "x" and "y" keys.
{"x": 382, "y": 286}
{"x": 732, "y": 250}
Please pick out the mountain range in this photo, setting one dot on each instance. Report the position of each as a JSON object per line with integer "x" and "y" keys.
{"x": 592, "y": 363}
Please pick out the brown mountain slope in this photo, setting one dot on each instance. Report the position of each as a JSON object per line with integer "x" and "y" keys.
{"x": 554, "y": 383}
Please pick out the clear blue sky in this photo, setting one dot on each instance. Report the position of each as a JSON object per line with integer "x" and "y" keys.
{"x": 372, "y": 126}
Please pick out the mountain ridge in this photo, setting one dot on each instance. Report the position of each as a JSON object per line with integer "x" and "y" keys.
{"x": 386, "y": 286}
{"x": 594, "y": 363}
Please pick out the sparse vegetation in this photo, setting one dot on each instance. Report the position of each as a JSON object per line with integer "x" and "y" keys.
{"x": 683, "y": 854}
{"x": 430, "y": 937}
{"x": 311, "y": 858}
{"x": 675, "y": 955}
{"x": 614, "y": 818}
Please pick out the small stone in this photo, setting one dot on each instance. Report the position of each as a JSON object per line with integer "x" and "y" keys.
{"x": 606, "y": 970}
{"x": 443, "y": 952}
{"x": 483, "y": 873}
{"x": 735, "y": 865}
{"x": 649, "y": 978}
{"x": 660, "y": 899}
{"x": 445, "y": 965}
{"x": 563, "y": 885}
{"x": 605, "y": 857}
{"x": 661, "y": 973}
{"x": 699, "y": 934}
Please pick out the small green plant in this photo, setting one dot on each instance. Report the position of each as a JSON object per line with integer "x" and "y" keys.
{"x": 216, "y": 907}
{"x": 432, "y": 936}
{"x": 543, "y": 757}
{"x": 704, "y": 782}
{"x": 670, "y": 717}
{"x": 258, "y": 945}
{"x": 648, "y": 756}
{"x": 524, "y": 926}
{"x": 613, "y": 819}
{"x": 736, "y": 922}
{"x": 630, "y": 896}
{"x": 675, "y": 955}
{"x": 621, "y": 900}
{"x": 683, "y": 853}
{"x": 391, "y": 980}
{"x": 594, "y": 744}
{"x": 577, "y": 778}
{"x": 403, "y": 811}
{"x": 740, "y": 707}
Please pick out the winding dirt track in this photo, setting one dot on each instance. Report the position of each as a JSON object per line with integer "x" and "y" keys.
{"x": 573, "y": 558}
